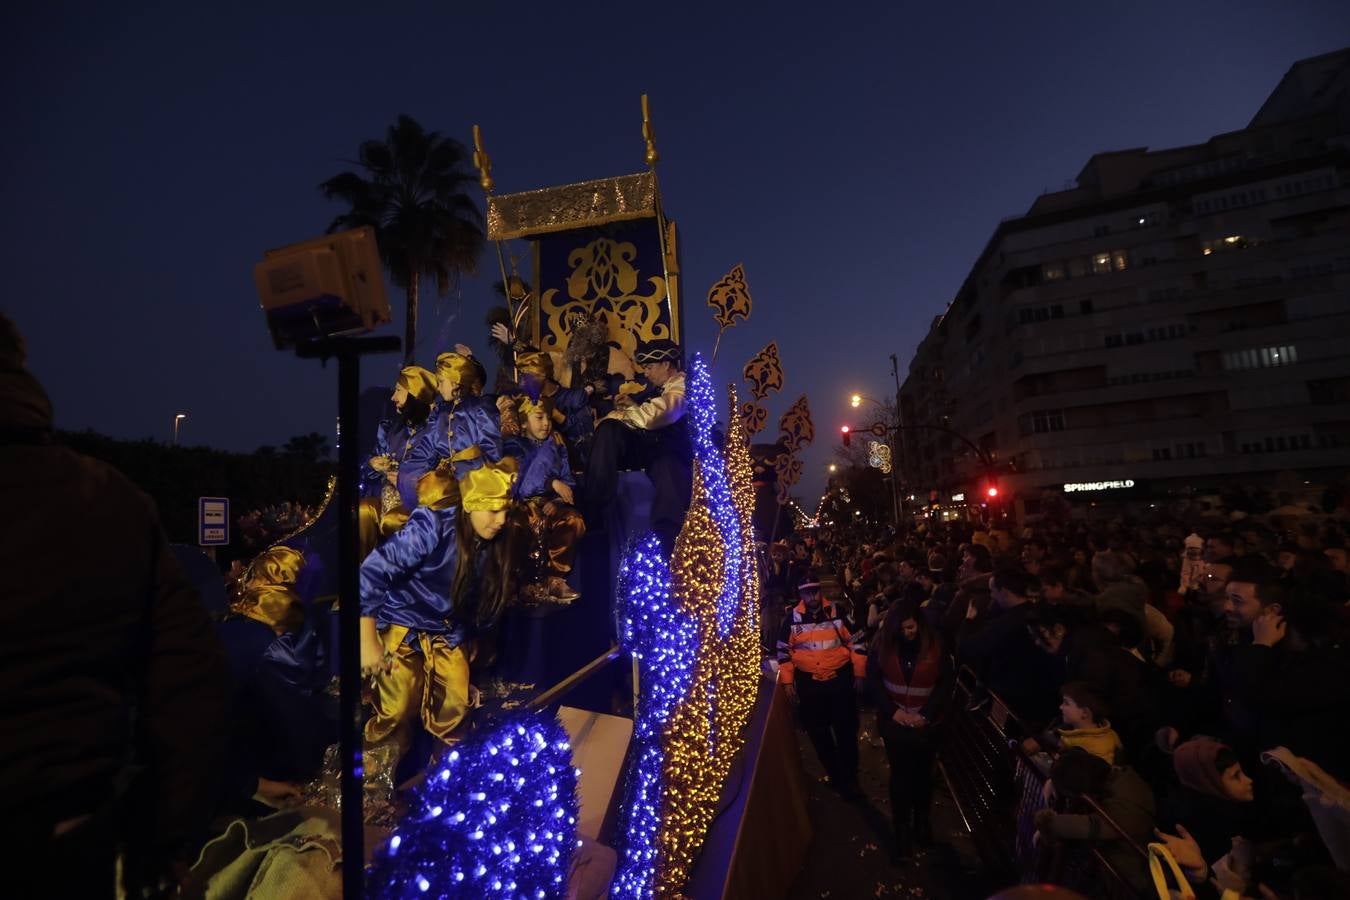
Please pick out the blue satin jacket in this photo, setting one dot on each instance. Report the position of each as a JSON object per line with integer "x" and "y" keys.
{"x": 540, "y": 463}
{"x": 578, "y": 420}
{"x": 407, "y": 579}
{"x": 282, "y": 719}
{"x": 473, "y": 422}
{"x": 411, "y": 447}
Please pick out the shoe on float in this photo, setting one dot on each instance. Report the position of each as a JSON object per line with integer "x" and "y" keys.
{"x": 535, "y": 594}
{"x": 560, "y": 590}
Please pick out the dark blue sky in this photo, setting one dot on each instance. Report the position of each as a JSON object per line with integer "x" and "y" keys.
{"x": 855, "y": 162}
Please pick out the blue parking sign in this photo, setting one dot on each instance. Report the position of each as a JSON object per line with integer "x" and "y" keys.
{"x": 213, "y": 521}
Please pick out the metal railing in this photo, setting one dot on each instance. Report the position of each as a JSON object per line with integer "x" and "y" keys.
{"x": 998, "y": 791}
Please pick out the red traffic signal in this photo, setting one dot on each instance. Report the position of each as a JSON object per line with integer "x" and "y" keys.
{"x": 847, "y": 435}
{"x": 992, "y": 491}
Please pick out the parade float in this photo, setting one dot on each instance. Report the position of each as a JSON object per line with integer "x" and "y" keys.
{"x": 704, "y": 792}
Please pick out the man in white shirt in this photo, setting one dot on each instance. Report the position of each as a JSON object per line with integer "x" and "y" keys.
{"x": 651, "y": 436}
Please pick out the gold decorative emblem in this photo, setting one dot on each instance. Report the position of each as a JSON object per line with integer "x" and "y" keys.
{"x": 730, "y": 298}
{"x": 764, "y": 371}
{"x": 570, "y": 206}
{"x": 796, "y": 426}
{"x": 754, "y": 417}
{"x": 604, "y": 283}
{"x": 789, "y": 471}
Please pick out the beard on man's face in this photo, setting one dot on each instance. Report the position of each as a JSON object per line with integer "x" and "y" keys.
{"x": 414, "y": 411}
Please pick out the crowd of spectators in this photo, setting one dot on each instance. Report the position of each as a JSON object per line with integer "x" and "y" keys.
{"x": 1191, "y": 679}
{"x": 260, "y": 528}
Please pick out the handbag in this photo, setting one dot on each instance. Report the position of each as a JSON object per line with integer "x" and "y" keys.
{"x": 1158, "y": 857}
{"x": 1161, "y": 863}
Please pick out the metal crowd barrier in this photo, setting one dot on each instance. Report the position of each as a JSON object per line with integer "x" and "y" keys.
{"x": 998, "y": 791}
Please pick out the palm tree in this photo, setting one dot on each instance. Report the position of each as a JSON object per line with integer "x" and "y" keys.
{"x": 412, "y": 193}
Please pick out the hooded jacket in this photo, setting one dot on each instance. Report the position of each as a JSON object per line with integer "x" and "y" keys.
{"x": 106, "y": 651}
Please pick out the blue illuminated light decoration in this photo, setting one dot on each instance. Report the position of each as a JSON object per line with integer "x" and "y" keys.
{"x": 702, "y": 406}
{"x": 693, "y": 625}
{"x": 663, "y": 640}
{"x": 495, "y": 817}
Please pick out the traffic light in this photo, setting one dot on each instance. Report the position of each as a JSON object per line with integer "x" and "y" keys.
{"x": 847, "y": 435}
{"x": 991, "y": 490}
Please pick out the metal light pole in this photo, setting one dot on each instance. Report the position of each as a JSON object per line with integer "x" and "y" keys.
{"x": 856, "y": 401}
{"x": 177, "y": 421}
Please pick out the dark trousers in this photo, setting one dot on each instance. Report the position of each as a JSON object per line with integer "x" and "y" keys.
{"x": 829, "y": 713}
{"x": 911, "y": 753}
{"x": 663, "y": 454}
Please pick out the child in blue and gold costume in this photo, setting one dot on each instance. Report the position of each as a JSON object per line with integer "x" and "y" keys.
{"x": 283, "y": 719}
{"x": 466, "y": 430}
{"x": 402, "y": 455}
{"x": 544, "y": 490}
{"x": 425, "y": 593}
{"x": 572, "y": 414}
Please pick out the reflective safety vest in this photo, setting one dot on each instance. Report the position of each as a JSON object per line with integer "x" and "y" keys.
{"x": 818, "y": 644}
{"x": 910, "y": 686}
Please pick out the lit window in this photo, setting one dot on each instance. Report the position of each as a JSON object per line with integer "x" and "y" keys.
{"x": 1119, "y": 259}
{"x": 1101, "y": 263}
{"x": 1052, "y": 271}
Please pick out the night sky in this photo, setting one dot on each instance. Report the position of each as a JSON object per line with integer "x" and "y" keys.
{"x": 856, "y": 164}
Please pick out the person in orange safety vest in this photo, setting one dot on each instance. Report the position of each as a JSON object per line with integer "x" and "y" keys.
{"x": 820, "y": 664}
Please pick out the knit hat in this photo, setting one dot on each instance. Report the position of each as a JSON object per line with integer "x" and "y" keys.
{"x": 1194, "y": 762}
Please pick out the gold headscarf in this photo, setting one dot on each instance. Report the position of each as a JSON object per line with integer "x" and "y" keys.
{"x": 489, "y": 486}
{"x": 275, "y": 566}
{"x": 268, "y": 595}
{"x": 438, "y": 488}
{"x": 418, "y": 382}
{"x": 535, "y": 363}
{"x": 277, "y": 606}
{"x": 460, "y": 371}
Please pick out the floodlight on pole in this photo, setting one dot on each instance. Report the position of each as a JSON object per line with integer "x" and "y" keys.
{"x": 177, "y": 421}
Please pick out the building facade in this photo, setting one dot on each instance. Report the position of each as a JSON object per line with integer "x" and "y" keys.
{"x": 1178, "y": 317}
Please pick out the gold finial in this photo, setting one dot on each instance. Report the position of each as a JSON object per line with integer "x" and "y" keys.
{"x": 481, "y": 161}
{"x": 648, "y": 133}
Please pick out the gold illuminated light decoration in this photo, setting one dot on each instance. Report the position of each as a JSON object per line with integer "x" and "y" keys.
{"x": 714, "y": 582}
{"x": 714, "y": 562}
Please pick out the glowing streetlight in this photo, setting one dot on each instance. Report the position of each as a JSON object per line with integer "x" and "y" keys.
{"x": 834, "y": 468}
{"x": 177, "y": 421}
{"x": 855, "y": 401}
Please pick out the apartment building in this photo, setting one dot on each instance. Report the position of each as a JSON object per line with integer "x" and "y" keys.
{"x": 1178, "y": 318}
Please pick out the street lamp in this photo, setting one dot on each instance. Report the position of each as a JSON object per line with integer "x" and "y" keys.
{"x": 892, "y": 434}
{"x": 833, "y": 467}
{"x": 177, "y": 421}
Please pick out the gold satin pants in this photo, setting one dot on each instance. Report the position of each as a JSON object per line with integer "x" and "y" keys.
{"x": 427, "y": 678}
{"x": 561, "y": 528}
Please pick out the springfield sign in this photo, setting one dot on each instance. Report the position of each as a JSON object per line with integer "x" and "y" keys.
{"x": 1076, "y": 486}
